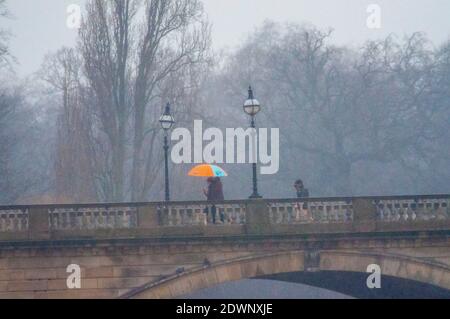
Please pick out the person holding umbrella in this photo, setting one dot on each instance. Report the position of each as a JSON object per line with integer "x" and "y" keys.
{"x": 214, "y": 191}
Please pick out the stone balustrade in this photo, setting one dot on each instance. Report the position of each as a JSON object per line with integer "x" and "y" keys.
{"x": 310, "y": 211}
{"x": 201, "y": 214}
{"x": 93, "y": 218}
{"x": 360, "y": 214}
{"x": 12, "y": 220}
{"x": 412, "y": 209}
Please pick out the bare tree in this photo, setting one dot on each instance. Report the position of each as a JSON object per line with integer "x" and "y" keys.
{"x": 339, "y": 108}
{"x": 174, "y": 39}
{"x": 5, "y": 55}
{"x": 128, "y": 64}
{"x": 106, "y": 43}
{"x": 75, "y": 160}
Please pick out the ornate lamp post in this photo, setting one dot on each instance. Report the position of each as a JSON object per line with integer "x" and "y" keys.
{"x": 167, "y": 121}
{"x": 252, "y": 107}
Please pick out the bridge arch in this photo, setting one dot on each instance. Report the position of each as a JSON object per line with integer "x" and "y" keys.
{"x": 400, "y": 266}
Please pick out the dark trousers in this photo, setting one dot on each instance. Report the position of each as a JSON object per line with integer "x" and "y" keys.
{"x": 213, "y": 210}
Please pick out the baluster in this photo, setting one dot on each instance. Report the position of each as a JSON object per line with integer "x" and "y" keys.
{"x": 387, "y": 214}
{"x": 5, "y": 221}
{"x": 197, "y": 216}
{"x": 177, "y": 216}
{"x": 115, "y": 218}
{"x": 321, "y": 213}
{"x": 2, "y": 222}
{"x": 60, "y": 219}
{"x": 294, "y": 212}
{"x": 91, "y": 219}
{"x": 441, "y": 211}
{"x": 187, "y": 216}
{"x": 284, "y": 217}
{"x": 226, "y": 212}
{"x": 122, "y": 219}
{"x": 78, "y": 219}
{"x": 346, "y": 214}
{"x": 167, "y": 215}
{"x": 279, "y": 214}
{"x": 56, "y": 219}
{"x": 110, "y": 219}
{"x": 410, "y": 211}
{"x": 103, "y": 218}
{"x": 337, "y": 213}
{"x": 446, "y": 208}
{"x": 382, "y": 212}
{"x": 276, "y": 214}
{"x": 290, "y": 218}
{"x": 96, "y": 218}
{"x": 340, "y": 214}
{"x": 65, "y": 221}
{"x": 172, "y": 216}
{"x": 181, "y": 218}
{"x": 22, "y": 220}
{"x": 404, "y": 214}
{"x": 325, "y": 213}
{"x": 238, "y": 212}
{"x": 333, "y": 213}
{"x": 53, "y": 219}
{"x": 10, "y": 222}
{"x": 134, "y": 217}
{"x": 271, "y": 213}
{"x": 233, "y": 215}
{"x": 125, "y": 219}
{"x": 421, "y": 211}
{"x": 84, "y": 221}
{"x": 203, "y": 218}
{"x": 72, "y": 219}
{"x": 16, "y": 221}
{"x": 290, "y": 212}
{"x": 312, "y": 211}
{"x": 192, "y": 216}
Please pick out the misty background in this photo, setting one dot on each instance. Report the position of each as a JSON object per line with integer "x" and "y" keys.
{"x": 361, "y": 111}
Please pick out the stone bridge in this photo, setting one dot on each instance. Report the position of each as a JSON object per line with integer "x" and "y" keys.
{"x": 168, "y": 250}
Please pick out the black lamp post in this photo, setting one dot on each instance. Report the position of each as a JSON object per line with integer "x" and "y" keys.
{"x": 166, "y": 121}
{"x": 252, "y": 107}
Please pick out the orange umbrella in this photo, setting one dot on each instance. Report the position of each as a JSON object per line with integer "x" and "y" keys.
{"x": 207, "y": 170}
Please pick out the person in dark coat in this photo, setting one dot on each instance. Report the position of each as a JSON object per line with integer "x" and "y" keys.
{"x": 302, "y": 192}
{"x": 214, "y": 194}
{"x": 302, "y": 206}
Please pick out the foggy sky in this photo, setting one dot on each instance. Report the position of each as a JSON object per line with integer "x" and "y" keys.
{"x": 39, "y": 26}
